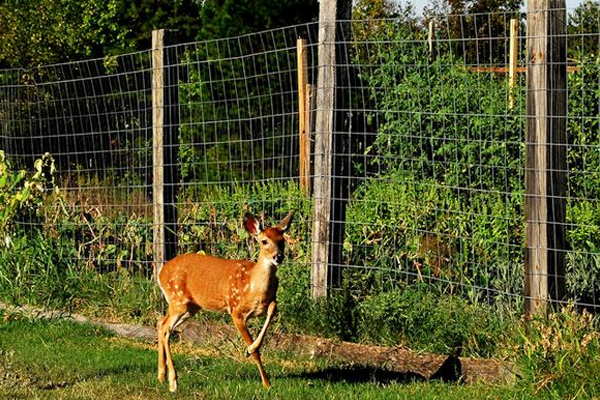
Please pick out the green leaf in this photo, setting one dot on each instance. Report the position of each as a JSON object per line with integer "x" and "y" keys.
{"x": 24, "y": 195}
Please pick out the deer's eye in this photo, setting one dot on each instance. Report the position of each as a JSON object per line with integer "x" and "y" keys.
{"x": 264, "y": 242}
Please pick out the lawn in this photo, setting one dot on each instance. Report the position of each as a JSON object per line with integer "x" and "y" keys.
{"x": 59, "y": 359}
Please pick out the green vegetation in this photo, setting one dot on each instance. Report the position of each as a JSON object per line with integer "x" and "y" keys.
{"x": 60, "y": 360}
{"x": 433, "y": 248}
{"x": 94, "y": 261}
{"x": 556, "y": 357}
{"x": 436, "y": 230}
{"x": 35, "y": 33}
{"x": 448, "y": 191}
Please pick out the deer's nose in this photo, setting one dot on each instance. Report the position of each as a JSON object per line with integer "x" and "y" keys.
{"x": 279, "y": 258}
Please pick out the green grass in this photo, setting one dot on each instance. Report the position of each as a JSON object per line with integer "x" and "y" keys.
{"x": 57, "y": 359}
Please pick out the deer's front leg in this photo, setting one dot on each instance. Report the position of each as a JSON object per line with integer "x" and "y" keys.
{"x": 258, "y": 341}
{"x": 240, "y": 324}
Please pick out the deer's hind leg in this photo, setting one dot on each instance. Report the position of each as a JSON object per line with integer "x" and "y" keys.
{"x": 176, "y": 315}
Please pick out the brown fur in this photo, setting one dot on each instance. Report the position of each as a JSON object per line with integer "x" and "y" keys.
{"x": 242, "y": 288}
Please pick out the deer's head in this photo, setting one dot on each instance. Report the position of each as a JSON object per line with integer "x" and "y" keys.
{"x": 270, "y": 240}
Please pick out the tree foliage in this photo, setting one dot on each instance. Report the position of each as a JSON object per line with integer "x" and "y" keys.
{"x": 34, "y": 32}
{"x": 42, "y": 32}
{"x": 235, "y": 93}
{"x": 477, "y": 27}
{"x": 225, "y": 18}
{"x": 583, "y": 28}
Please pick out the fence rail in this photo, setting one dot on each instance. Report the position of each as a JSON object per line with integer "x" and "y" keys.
{"x": 420, "y": 179}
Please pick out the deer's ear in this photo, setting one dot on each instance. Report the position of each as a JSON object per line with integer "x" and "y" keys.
{"x": 251, "y": 224}
{"x": 285, "y": 223}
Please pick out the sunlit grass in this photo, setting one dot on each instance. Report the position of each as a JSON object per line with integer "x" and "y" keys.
{"x": 63, "y": 360}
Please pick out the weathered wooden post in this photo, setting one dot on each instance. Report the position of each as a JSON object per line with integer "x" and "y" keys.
{"x": 325, "y": 93}
{"x": 513, "y": 61}
{"x": 331, "y": 166}
{"x": 165, "y": 125}
{"x": 431, "y": 39}
{"x": 304, "y": 112}
{"x": 546, "y": 166}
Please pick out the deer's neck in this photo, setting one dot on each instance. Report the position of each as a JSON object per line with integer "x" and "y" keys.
{"x": 263, "y": 275}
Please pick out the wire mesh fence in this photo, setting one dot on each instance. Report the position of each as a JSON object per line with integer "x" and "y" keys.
{"x": 428, "y": 158}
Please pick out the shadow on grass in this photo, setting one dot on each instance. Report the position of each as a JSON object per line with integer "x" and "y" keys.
{"x": 449, "y": 371}
{"x": 362, "y": 374}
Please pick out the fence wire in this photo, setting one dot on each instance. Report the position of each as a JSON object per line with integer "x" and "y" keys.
{"x": 428, "y": 164}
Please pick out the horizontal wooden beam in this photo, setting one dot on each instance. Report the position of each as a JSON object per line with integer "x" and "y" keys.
{"x": 506, "y": 70}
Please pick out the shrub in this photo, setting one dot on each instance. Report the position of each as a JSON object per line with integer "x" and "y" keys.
{"x": 21, "y": 194}
{"x": 416, "y": 231}
{"x": 442, "y": 121}
{"x": 424, "y": 320}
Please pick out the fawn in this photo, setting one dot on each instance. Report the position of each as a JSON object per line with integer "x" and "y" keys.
{"x": 242, "y": 288}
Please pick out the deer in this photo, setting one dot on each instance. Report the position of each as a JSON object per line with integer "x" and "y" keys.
{"x": 242, "y": 288}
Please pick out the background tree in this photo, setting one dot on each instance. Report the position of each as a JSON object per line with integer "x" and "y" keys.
{"x": 41, "y": 32}
{"x": 484, "y": 23}
{"x": 225, "y": 18}
{"x": 34, "y": 32}
{"x": 236, "y": 92}
{"x": 583, "y": 27}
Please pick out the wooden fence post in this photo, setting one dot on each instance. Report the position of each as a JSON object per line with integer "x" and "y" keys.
{"x": 304, "y": 111}
{"x": 165, "y": 125}
{"x": 325, "y": 93}
{"x": 546, "y": 166}
{"x": 513, "y": 61}
{"x": 430, "y": 39}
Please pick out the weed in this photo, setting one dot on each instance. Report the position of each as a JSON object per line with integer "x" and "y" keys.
{"x": 558, "y": 354}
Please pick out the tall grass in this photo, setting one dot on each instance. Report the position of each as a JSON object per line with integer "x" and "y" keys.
{"x": 558, "y": 355}
{"x": 82, "y": 258}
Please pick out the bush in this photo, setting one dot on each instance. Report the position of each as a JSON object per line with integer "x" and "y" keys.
{"x": 447, "y": 204}
{"x": 444, "y": 122}
{"x": 415, "y": 231}
{"x": 427, "y": 321}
